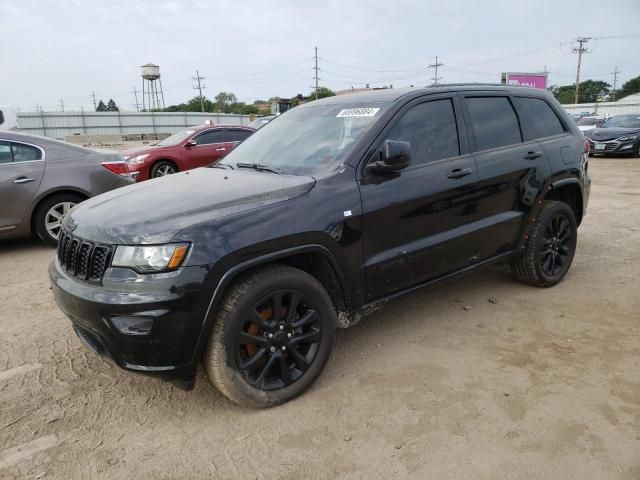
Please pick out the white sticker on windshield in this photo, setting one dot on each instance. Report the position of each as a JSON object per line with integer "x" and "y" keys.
{"x": 357, "y": 112}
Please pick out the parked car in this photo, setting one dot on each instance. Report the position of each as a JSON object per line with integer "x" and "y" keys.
{"x": 590, "y": 122}
{"x": 336, "y": 208}
{"x": 190, "y": 148}
{"x": 619, "y": 135}
{"x": 42, "y": 179}
{"x": 261, "y": 121}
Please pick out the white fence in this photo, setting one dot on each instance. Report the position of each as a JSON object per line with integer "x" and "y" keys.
{"x": 61, "y": 124}
{"x": 604, "y": 108}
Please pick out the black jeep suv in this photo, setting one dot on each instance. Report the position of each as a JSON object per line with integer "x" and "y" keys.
{"x": 330, "y": 210}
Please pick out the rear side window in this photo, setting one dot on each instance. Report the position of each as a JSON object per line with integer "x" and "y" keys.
{"x": 5, "y": 153}
{"x": 25, "y": 153}
{"x": 538, "y": 118}
{"x": 494, "y": 122}
{"x": 213, "y": 136}
{"x": 237, "y": 135}
{"x": 431, "y": 129}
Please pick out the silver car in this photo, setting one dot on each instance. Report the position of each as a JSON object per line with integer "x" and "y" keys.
{"x": 41, "y": 179}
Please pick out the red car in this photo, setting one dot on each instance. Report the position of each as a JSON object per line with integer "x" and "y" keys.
{"x": 190, "y": 148}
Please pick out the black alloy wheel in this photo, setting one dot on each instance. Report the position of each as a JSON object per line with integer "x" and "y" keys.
{"x": 556, "y": 245}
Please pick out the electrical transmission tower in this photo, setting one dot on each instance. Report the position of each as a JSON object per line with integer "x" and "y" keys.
{"x": 615, "y": 74}
{"x": 135, "y": 94}
{"x": 199, "y": 87}
{"x": 95, "y": 105}
{"x": 435, "y": 66}
{"x": 580, "y": 47}
{"x": 61, "y": 105}
{"x": 316, "y": 69}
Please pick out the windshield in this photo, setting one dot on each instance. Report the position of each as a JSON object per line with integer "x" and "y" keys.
{"x": 308, "y": 140}
{"x": 176, "y": 138}
{"x": 624, "y": 121}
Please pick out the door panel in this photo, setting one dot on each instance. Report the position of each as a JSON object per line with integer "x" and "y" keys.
{"x": 19, "y": 183}
{"x": 211, "y": 147}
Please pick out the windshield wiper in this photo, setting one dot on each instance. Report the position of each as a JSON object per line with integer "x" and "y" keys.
{"x": 222, "y": 165}
{"x": 259, "y": 167}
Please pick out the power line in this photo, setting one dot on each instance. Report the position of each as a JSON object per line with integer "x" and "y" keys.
{"x": 199, "y": 88}
{"x": 435, "y": 66}
{"x": 580, "y": 48}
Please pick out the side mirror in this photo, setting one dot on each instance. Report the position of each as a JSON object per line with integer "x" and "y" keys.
{"x": 190, "y": 143}
{"x": 395, "y": 156}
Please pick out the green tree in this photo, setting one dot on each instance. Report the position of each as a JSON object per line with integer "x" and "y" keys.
{"x": 322, "y": 92}
{"x": 224, "y": 100}
{"x": 101, "y": 107}
{"x": 629, "y": 88}
{"x": 111, "y": 106}
{"x": 590, "y": 91}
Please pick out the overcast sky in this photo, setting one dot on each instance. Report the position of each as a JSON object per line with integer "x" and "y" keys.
{"x": 259, "y": 49}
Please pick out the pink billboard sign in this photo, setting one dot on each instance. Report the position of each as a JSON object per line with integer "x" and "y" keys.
{"x": 531, "y": 80}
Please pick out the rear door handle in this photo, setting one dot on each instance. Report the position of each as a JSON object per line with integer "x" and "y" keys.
{"x": 23, "y": 180}
{"x": 532, "y": 155}
{"x": 459, "y": 173}
{"x": 220, "y": 149}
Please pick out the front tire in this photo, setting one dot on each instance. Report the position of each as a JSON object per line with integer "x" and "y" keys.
{"x": 163, "y": 168}
{"x": 272, "y": 337}
{"x": 550, "y": 247}
{"x": 48, "y": 216}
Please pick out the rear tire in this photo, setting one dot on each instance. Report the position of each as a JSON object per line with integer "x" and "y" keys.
{"x": 48, "y": 216}
{"x": 258, "y": 359}
{"x": 162, "y": 168}
{"x": 550, "y": 247}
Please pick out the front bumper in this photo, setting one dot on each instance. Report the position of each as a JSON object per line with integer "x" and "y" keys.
{"x": 144, "y": 323}
{"x": 612, "y": 147}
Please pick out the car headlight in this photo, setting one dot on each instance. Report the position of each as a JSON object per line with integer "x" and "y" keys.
{"x": 150, "y": 258}
{"x": 138, "y": 159}
{"x": 628, "y": 138}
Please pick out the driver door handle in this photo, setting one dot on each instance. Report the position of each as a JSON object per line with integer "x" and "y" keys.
{"x": 220, "y": 149}
{"x": 23, "y": 180}
{"x": 459, "y": 173}
{"x": 532, "y": 155}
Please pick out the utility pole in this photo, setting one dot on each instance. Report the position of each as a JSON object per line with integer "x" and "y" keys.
{"x": 61, "y": 105}
{"x": 135, "y": 94}
{"x": 197, "y": 78}
{"x": 435, "y": 66}
{"x": 316, "y": 72}
{"x": 580, "y": 47}
{"x": 615, "y": 82}
{"x": 95, "y": 105}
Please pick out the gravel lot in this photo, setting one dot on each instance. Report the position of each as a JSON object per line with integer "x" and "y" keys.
{"x": 478, "y": 378}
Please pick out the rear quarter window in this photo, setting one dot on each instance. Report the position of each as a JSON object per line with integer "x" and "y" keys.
{"x": 538, "y": 118}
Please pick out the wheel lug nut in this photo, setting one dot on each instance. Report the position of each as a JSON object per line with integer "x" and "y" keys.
{"x": 288, "y": 335}
{"x": 281, "y": 327}
{"x": 270, "y": 335}
{"x": 284, "y": 349}
{"x": 272, "y": 349}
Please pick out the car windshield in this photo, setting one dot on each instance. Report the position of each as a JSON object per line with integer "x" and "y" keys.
{"x": 623, "y": 121}
{"x": 308, "y": 140}
{"x": 176, "y": 138}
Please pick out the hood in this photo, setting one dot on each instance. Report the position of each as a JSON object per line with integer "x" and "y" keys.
{"x": 155, "y": 210}
{"x": 133, "y": 152}
{"x": 610, "y": 133}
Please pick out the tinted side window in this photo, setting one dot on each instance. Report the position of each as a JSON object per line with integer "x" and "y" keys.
{"x": 237, "y": 135}
{"x": 5, "y": 153}
{"x": 431, "y": 129}
{"x": 494, "y": 122}
{"x": 213, "y": 136}
{"x": 25, "y": 153}
{"x": 538, "y": 119}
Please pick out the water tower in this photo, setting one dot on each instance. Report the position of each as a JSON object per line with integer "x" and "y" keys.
{"x": 152, "y": 94}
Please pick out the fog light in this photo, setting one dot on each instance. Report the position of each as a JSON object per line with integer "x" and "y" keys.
{"x": 626, "y": 146}
{"x": 139, "y": 323}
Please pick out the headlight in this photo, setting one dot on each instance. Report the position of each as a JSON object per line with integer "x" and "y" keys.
{"x": 628, "y": 138}
{"x": 137, "y": 159}
{"x": 152, "y": 258}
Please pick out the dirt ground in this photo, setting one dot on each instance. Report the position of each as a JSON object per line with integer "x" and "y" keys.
{"x": 479, "y": 378}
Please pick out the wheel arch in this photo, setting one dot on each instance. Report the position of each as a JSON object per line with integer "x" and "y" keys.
{"x": 170, "y": 160}
{"x": 314, "y": 259}
{"x": 569, "y": 191}
{"x": 48, "y": 194}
